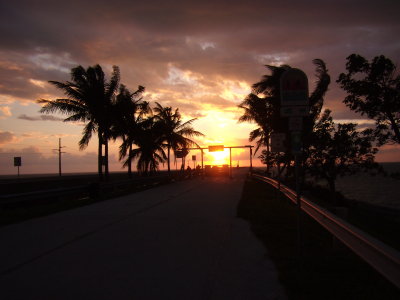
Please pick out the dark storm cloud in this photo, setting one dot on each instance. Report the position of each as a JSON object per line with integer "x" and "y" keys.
{"x": 56, "y": 24}
{"x": 217, "y": 39}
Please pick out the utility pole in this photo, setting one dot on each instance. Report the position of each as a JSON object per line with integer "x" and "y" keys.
{"x": 59, "y": 156}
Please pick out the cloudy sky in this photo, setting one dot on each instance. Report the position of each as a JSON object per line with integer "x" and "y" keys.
{"x": 200, "y": 56}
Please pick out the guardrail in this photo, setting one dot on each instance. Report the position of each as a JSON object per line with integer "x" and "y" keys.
{"x": 94, "y": 189}
{"x": 380, "y": 256}
{"x": 45, "y": 194}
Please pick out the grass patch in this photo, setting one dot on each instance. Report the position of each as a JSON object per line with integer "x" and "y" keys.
{"x": 324, "y": 272}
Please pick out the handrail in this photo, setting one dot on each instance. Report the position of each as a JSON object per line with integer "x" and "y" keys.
{"x": 21, "y": 197}
{"x": 380, "y": 256}
{"x": 79, "y": 189}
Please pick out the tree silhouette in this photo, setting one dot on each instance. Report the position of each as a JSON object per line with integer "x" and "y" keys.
{"x": 149, "y": 152}
{"x": 89, "y": 100}
{"x": 374, "y": 90}
{"x": 338, "y": 150}
{"x": 176, "y": 134}
{"x": 262, "y": 106}
{"x": 129, "y": 112}
{"x": 260, "y": 111}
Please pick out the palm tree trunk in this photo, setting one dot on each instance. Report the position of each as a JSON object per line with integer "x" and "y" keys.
{"x": 106, "y": 158}
{"x": 130, "y": 161}
{"x": 100, "y": 156}
{"x": 268, "y": 156}
{"x": 168, "y": 163}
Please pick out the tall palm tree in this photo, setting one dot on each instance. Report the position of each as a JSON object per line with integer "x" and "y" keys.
{"x": 262, "y": 105}
{"x": 149, "y": 152}
{"x": 130, "y": 111}
{"x": 89, "y": 99}
{"x": 258, "y": 110}
{"x": 176, "y": 134}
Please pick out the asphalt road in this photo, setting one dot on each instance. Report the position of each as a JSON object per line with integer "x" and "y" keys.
{"x": 177, "y": 241}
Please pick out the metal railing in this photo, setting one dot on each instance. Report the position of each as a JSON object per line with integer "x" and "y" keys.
{"x": 91, "y": 189}
{"x": 380, "y": 256}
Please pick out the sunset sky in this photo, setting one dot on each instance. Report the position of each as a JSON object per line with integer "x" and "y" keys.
{"x": 199, "y": 56}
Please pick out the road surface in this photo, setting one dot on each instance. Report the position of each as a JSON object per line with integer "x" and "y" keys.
{"x": 176, "y": 241}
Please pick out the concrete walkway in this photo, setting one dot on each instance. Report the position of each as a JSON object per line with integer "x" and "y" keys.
{"x": 177, "y": 241}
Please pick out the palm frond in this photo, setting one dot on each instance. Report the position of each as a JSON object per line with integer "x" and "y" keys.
{"x": 87, "y": 135}
{"x": 323, "y": 81}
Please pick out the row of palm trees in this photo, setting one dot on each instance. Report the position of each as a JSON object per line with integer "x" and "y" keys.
{"x": 110, "y": 110}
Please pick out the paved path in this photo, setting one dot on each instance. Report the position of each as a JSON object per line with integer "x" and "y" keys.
{"x": 177, "y": 241}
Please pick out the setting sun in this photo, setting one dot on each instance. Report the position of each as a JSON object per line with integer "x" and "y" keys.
{"x": 219, "y": 157}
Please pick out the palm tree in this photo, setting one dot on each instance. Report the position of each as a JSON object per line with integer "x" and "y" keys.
{"x": 176, "y": 134}
{"x": 258, "y": 110}
{"x": 130, "y": 111}
{"x": 149, "y": 152}
{"x": 265, "y": 110}
{"x": 89, "y": 99}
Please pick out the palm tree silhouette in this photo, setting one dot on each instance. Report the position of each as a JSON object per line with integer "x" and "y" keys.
{"x": 175, "y": 133}
{"x": 149, "y": 141}
{"x": 260, "y": 111}
{"x": 264, "y": 110}
{"x": 89, "y": 99}
{"x": 262, "y": 105}
{"x": 130, "y": 111}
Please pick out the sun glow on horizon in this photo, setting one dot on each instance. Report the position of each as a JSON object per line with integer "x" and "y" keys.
{"x": 219, "y": 157}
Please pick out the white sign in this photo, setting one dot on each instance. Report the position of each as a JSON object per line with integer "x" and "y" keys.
{"x": 278, "y": 142}
{"x": 295, "y": 111}
{"x": 294, "y": 88}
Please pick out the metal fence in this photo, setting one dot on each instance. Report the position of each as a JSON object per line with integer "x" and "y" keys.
{"x": 93, "y": 190}
{"x": 380, "y": 256}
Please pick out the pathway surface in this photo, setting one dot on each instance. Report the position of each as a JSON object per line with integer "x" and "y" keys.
{"x": 177, "y": 241}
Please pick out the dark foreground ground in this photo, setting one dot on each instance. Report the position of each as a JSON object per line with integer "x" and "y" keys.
{"x": 325, "y": 269}
{"x": 182, "y": 240}
{"x": 176, "y": 241}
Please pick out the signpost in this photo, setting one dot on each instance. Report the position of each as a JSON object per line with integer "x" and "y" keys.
{"x": 294, "y": 88}
{"x": 278, "y": 142}
{"x": 216, "y": 148}
{"x": 295, "y": 105}
{"x": 17, "y": 162}
{"x": 182, "y": 154}
{"x": 296, "y": 142}
{"x": 295, "y": 123}
{"x": 194, "y": 161}
{"x": 295, "y": 111}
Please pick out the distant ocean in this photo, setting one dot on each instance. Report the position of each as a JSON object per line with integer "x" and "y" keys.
{"x": 378, "y": 189}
